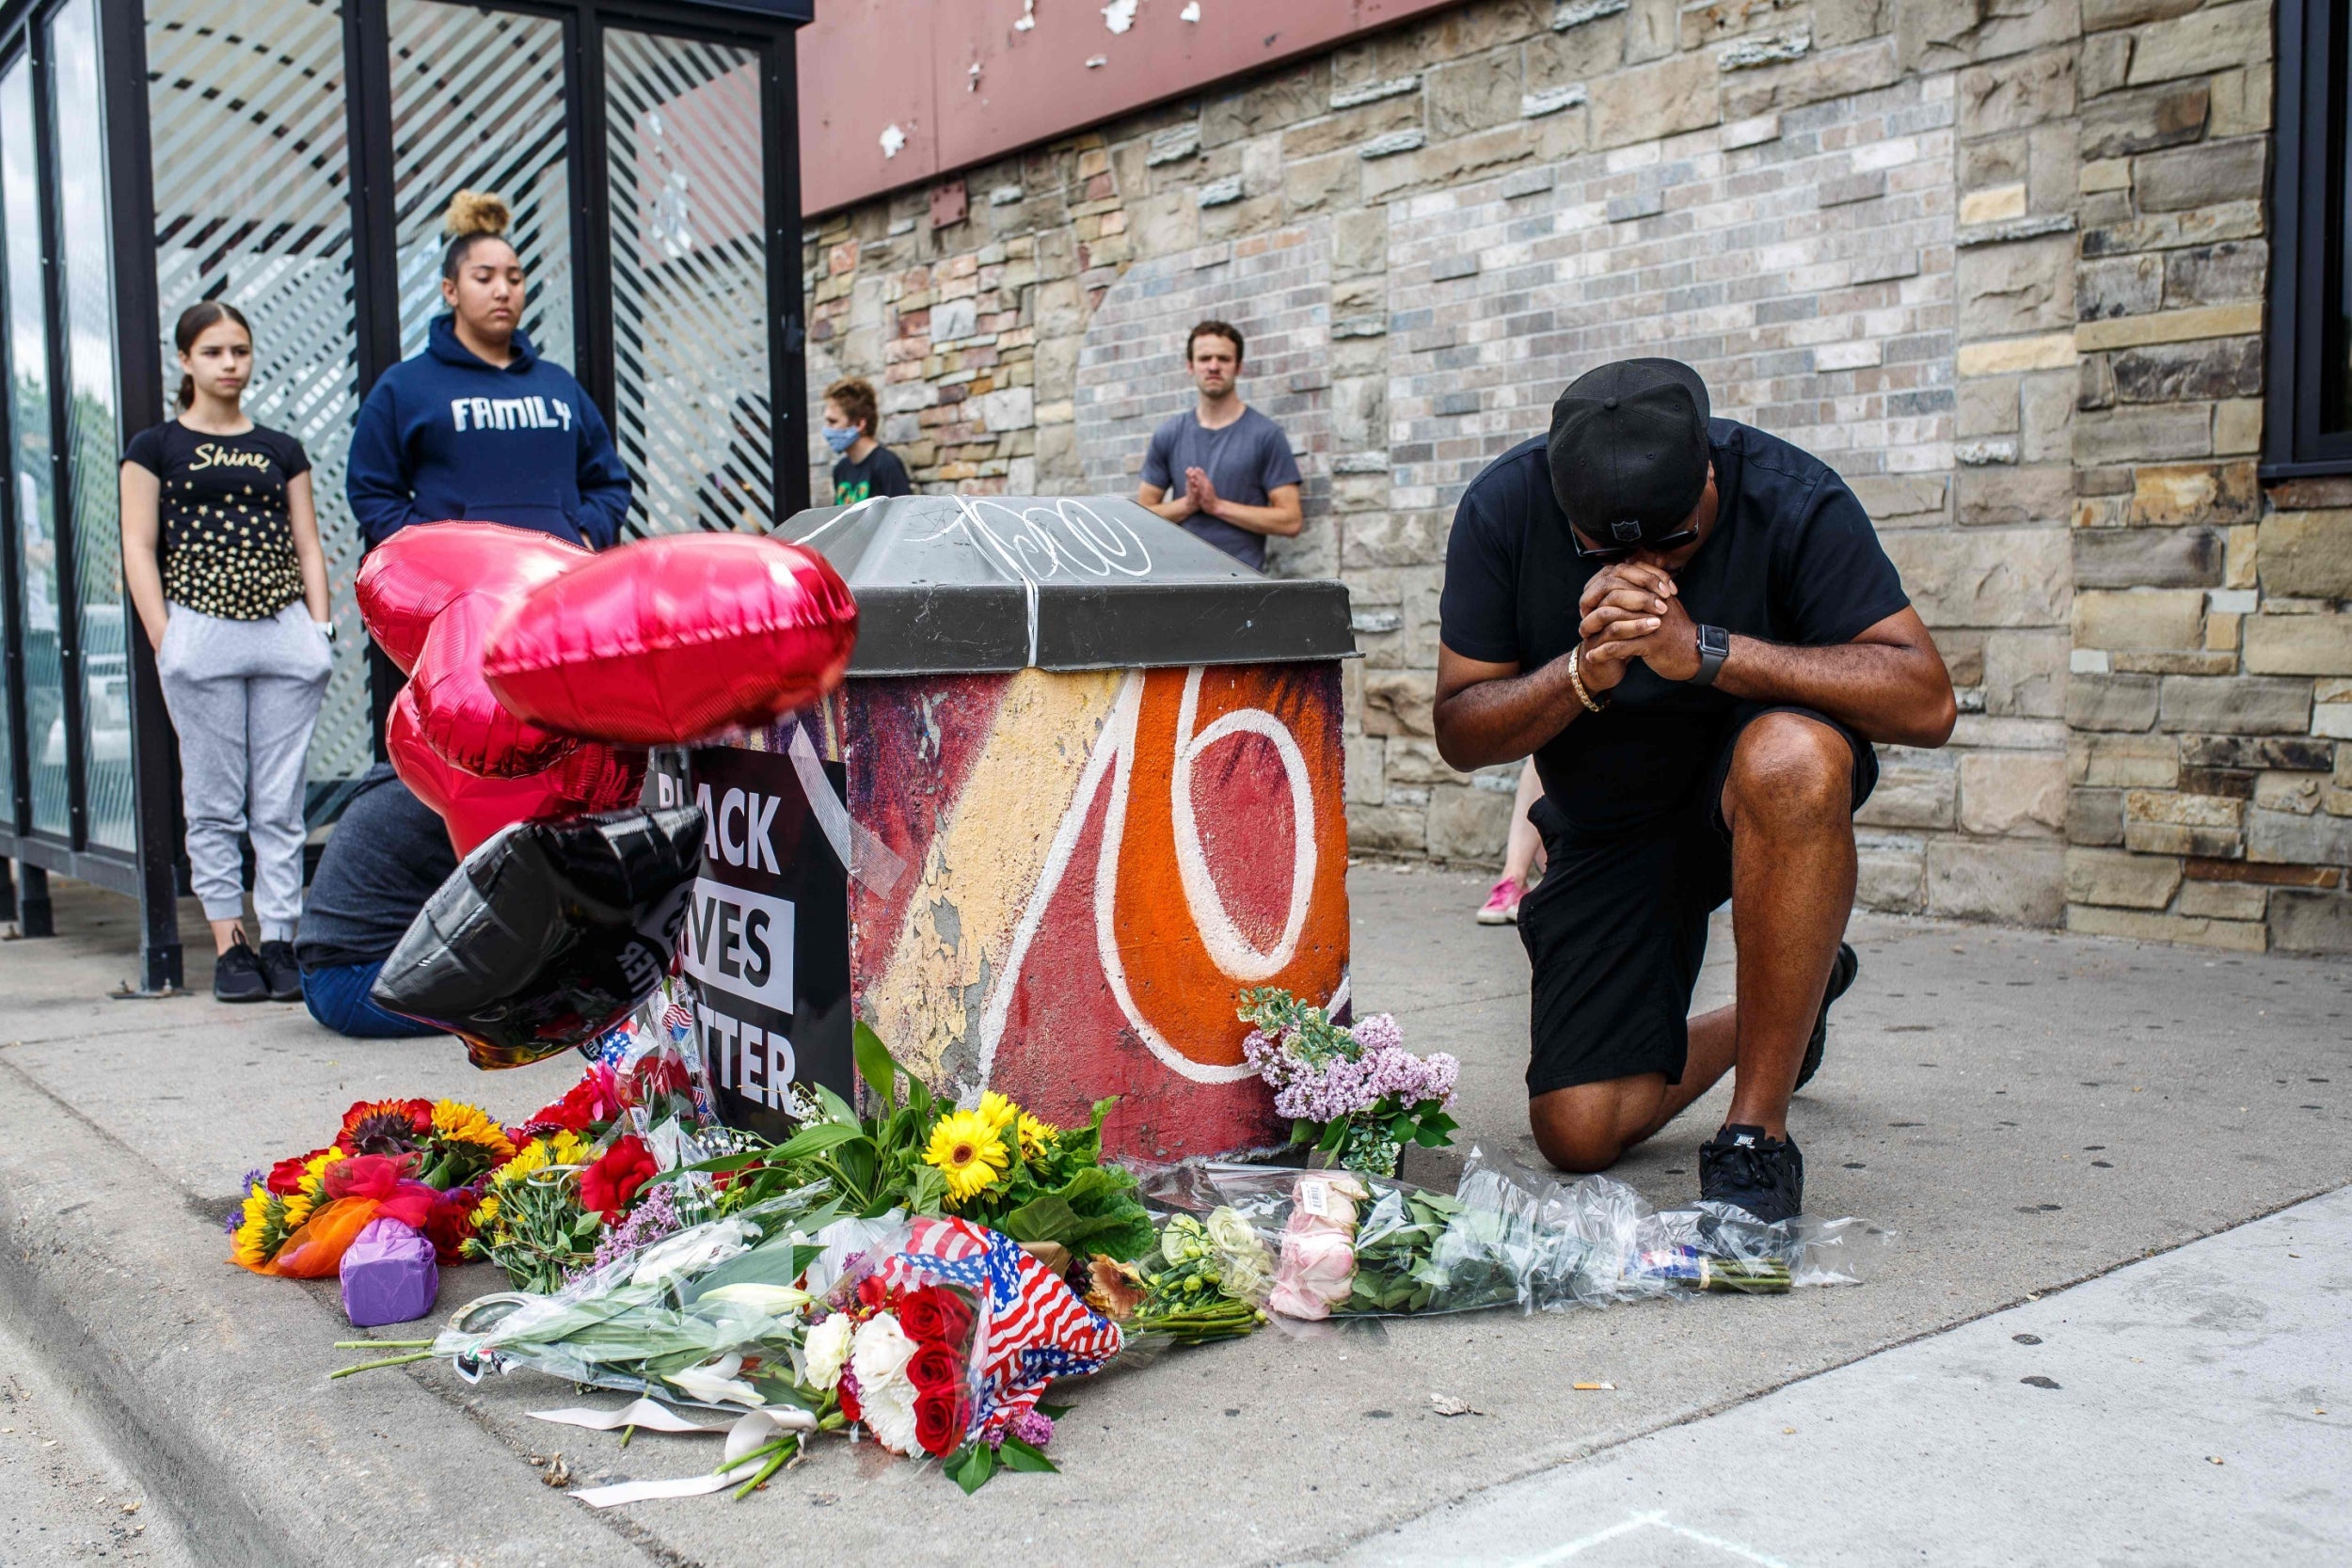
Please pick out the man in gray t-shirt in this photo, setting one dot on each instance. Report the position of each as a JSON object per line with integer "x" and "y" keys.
{"x": 1223, "y": 470}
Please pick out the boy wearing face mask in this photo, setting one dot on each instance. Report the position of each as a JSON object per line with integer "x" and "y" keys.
{"x": 866, "y": 468}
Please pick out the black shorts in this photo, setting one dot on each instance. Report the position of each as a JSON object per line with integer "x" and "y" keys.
{"x": 1618, "y": 928}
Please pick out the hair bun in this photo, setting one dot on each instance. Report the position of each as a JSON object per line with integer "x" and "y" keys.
{"x": 473, "y": 212}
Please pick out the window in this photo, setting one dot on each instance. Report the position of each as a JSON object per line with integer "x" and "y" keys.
{"x": 2308, "y": 409}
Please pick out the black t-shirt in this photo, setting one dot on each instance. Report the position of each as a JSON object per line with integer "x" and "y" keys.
{"x": 227, "y": 541}
{"x": 1792, "y": 559}
{"x": 387, "y": 855}
{"x": 880, "y": 474}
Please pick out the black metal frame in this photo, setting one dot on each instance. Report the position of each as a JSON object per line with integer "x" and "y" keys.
{"x": 149, "y": 874}
{"x": 2306, "y": 223}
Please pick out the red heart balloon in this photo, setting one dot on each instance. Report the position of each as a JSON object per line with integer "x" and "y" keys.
{"x": 593, "y": 778}
{"x": 673, "y": 639}
{"x": 408, "y": 581}
{"x": 455, "y": 713}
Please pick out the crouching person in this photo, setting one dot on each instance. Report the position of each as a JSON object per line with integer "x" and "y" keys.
{"x": 387, "y": 854}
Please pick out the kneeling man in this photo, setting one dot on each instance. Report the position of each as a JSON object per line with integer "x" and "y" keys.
{"x": 1691, "y": 627}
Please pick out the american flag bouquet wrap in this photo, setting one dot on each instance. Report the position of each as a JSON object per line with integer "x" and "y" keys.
{"x": 939, "y": 1343}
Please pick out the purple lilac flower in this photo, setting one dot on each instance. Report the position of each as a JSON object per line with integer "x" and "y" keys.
{"x": 655, "y": 1217}
{"x": 1033, "y": 1427}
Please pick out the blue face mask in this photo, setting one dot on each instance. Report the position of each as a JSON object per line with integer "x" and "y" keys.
{"x": 841, "y": 437}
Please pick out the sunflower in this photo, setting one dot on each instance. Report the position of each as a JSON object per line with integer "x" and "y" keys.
{"x": 458, "y": 1123}
{"x": 1037, "y": 1137}
{"x": 998, "y": 1111}
{"x": 384, "y": 1126}
{"x": 262, "y": 1230}
{"x": 967, "y": 1150}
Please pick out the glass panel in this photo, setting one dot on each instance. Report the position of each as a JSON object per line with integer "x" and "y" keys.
{"x": 478, "y": 102}
{"x": 689, "y": 282}
{"x": 93, "y": 433}
{"x": 28, "y": 448}
{"x": 252, "y": 206}
{"x": 2335, "y": 380}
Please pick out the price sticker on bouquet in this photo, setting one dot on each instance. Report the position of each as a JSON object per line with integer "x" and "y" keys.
{"x": 767, "y": 942}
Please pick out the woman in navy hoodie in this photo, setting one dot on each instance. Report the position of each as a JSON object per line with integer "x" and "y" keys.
{"x": 478, "y": 425}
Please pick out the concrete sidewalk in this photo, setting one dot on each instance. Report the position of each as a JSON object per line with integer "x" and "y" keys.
{"x": 2191, "y": 1409}
{"x": 2028, "y": 1109}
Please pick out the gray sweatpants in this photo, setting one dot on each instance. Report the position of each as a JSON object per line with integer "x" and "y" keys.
{"x": 245, "y": 696}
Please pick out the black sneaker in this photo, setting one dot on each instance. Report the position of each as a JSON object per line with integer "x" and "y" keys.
{"x": 237, "y": 974}
{"x": 280, "y": 973}
{"x": 1841, "y": 973}
{"x": 1741, "y": 1166}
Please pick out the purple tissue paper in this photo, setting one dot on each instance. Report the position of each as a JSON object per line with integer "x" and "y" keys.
{"x": 388, "y": 1275}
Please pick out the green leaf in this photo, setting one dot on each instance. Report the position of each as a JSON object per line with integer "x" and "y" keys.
{"x": 835, "y": 1108}
{"x": 1432, "y": 1137}
{"x": 876, "y": 1066}
{"x": 1018, "y": 1455}
{"x": 1334, "y": 1135}
{"x": 1302, "y": 1130}
{"x": 970, "y": 1466}
{"x": 1054, "y": 1412}
{"x": 1400, "y": 1127}
{"x": 815, "y": 1138}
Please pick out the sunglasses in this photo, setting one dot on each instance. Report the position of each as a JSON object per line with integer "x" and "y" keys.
{"x": 1604, "y": 554}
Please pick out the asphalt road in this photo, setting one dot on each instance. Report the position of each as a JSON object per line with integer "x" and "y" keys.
{"x": 2030, "y": 1110}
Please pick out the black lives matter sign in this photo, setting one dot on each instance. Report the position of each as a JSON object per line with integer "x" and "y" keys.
{"x": 766, "y": 940}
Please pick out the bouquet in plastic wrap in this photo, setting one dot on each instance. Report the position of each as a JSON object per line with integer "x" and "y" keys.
{"x": 1348, "y": 1244}
{"x": 934, "y": 1337}
{"x": 1352, "y": 1092}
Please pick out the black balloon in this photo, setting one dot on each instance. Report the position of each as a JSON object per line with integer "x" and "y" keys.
{"x": 547, "y": 934}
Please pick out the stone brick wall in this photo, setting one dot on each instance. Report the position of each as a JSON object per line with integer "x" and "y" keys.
{"x": 2001, "y": 261}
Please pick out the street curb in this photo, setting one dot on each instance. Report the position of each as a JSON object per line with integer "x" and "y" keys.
{"x": 220, "y": 1401}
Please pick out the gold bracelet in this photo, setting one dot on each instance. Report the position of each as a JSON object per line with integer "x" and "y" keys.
{"x": 1577, "y": 680}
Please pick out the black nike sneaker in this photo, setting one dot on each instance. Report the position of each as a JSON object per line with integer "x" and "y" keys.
{"x": 1841, "y": 973}
{"x": 280, "y": 973}
{"x": 1741, "y": 1166}
{"x": 237, "y": 974}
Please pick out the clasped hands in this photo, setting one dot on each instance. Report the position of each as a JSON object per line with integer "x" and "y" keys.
{"x": 1201, "y": 493}
{"x": 1633, "y": 610}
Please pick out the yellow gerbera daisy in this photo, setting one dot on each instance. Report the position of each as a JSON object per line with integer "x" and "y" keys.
{"x": 485, "y": 1212}
{"x": 998, "y": 1111}
{"x": 965, "y": 1147}
{"x": 458, "y": 1122}
{"x": 1036, "y": 1136}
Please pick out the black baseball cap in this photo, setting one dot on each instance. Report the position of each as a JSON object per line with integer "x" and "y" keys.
{"x": 1627, "y": 450}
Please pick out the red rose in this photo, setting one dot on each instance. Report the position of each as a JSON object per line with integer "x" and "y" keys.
{"x": 449, "y": 1223}
{"x": 919, "y": 1314}
{"x": 872, "y": 1293}
{"x": 933, "y": 1369}
{"x": 285, "y": 1177}
{"x": 938, "y": 1423}
{"x": 612, "y": 1184}
{"x": 954, "y": 1317}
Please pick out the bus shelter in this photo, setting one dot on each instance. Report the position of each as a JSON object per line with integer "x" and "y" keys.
{"x": 294, "y": 157}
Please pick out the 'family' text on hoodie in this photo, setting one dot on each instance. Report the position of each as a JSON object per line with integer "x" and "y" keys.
{"x": 447, "y": 435}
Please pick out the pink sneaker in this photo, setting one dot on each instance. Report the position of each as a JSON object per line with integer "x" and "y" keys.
{"x": 1502, "y": 906}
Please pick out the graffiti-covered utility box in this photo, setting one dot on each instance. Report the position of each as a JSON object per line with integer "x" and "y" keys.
{"x": 1083, "y": 785}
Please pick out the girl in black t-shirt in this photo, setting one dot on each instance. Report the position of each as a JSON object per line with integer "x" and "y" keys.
{"x": 220, "y": 551}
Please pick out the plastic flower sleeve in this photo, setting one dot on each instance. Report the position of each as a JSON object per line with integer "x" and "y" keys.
{"x": 709, "y": 1315}
{"x": 1357, "y": 1245}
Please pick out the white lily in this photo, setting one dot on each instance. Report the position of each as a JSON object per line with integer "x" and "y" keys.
{"x": 716, "y": 1383}
{"x": 777, "y": 1301}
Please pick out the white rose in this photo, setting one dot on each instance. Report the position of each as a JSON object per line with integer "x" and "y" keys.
{"x": 880, "y": 1356}
{"x": 828, "y": 1351}
{"x": 890, "y": 1415}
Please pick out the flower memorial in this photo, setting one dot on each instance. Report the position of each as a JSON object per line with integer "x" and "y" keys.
{"x": 1354, "y": 1093}
{"x": 421, "y": 1161}
{"x": 993, "y": 1164}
